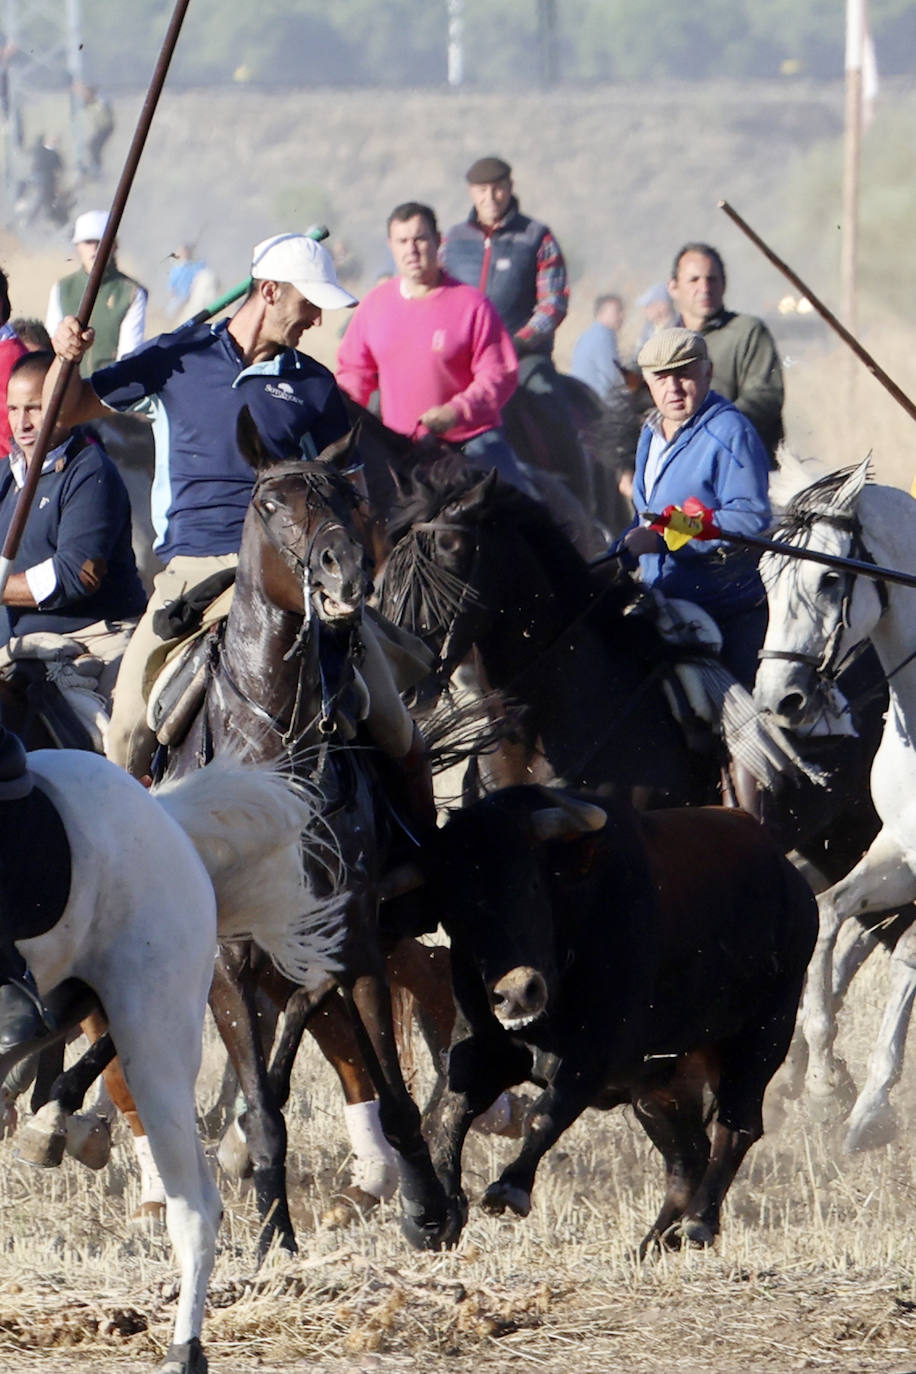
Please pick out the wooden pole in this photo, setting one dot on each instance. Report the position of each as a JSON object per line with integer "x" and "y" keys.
{"x": 49, "y": 421}
{"x": 849, "y": 339}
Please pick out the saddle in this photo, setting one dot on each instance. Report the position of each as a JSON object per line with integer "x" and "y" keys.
{"x": 35, "y": 865}
{"x": 54, "y": 678}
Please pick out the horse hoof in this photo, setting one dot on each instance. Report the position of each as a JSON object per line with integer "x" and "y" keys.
{"x": 499, "y": 1196}
{"x": 350, "y": 1204}
{"x": 89, "y": 1140}
{"x": 151, "y": 1214}
{"x": 42, "y": 1141}
{"x": 232, "y": 1156}
{"x": 187, "y": 1358}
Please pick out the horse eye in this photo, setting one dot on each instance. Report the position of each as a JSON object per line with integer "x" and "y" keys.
{"x": 449, "y": 542}
{"x": 830, "y": 581}
{"x": 270, "y": 507}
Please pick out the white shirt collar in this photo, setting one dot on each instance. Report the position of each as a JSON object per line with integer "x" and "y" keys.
{"x": 18, "y": 464}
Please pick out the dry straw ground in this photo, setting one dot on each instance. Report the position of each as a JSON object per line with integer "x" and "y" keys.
{"x": 816, "y": 1267}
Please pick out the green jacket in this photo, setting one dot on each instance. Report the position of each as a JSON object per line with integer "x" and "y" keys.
{"x": 116, "y": 294}
{"x": 746, "y": 370}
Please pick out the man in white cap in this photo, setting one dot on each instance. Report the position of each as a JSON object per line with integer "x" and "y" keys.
{"x": 193, "y": 383}
{"x": 119, "y": 314}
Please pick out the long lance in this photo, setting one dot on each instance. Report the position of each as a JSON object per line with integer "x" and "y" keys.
{"x": 830, "y": 560}
{"x": 318, "y": 232}
{"x": 862, "y": 354}
{"x": 106, "y": 243}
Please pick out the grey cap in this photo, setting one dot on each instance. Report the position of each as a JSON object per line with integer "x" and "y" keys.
{"x": 670, "y": 349}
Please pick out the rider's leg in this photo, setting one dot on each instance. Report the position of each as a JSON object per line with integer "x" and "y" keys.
{"x": 131, "y": 743}
{"x": 392, "y": 728}
{"x": 22, "y": 1016}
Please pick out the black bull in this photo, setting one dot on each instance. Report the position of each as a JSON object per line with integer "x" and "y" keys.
{"x": 639, "y": 962}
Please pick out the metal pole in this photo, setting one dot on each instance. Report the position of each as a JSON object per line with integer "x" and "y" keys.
{"x": 899, "y": 395}
{"x": 855, "y": 47}
{"x": 830, "y": 560}
{"x": 49, "y": 421}
{"x": 455, "y": 42}
{"x": 77, "y": 84}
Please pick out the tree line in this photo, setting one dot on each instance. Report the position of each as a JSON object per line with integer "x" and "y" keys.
{"x": 403, "y": 42}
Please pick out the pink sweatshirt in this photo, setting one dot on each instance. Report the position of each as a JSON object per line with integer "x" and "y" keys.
{"x": 446, "y": 348}
{"x": 11, "y": 349}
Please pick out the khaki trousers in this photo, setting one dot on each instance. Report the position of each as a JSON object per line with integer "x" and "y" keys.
{"x": 131, "y": 743}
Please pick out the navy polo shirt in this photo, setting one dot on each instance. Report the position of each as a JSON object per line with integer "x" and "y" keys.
{"x": 81, "y": 511}
{"x": 193, "y": 383}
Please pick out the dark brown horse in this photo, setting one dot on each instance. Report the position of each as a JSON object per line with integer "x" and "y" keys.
{"x": 283, "y": 688}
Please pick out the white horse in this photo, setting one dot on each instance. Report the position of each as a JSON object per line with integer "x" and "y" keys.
{"x": 154, "y": 879}
{"x": 818, "y": 615}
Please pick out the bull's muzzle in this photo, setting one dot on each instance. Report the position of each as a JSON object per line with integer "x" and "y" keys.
{"x": 519, "y": 997}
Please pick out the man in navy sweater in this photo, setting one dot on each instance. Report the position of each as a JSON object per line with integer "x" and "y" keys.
{"x": 74, "y": 573}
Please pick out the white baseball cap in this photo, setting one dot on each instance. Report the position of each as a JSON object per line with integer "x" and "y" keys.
{"x": 90, "y": 227}
{"x": 304, "y": 264}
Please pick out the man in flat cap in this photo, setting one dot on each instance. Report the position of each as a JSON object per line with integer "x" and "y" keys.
{"x": 697, "y": 444}
{"x": 517, "y": 263}
{"x": 745, "y": 363}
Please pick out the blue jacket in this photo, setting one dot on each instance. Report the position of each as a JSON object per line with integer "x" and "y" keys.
{"x": 80, "y": 512}
{"x": 718, "y": 457}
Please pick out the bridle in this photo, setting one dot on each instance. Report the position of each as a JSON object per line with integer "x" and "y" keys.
{"x": 449, "y": 592}
{"x": 313, "y": 475}
{"x": 829, "y": 663}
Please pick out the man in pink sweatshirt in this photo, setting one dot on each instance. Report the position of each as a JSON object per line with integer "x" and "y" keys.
{"x": 435, "y": 349}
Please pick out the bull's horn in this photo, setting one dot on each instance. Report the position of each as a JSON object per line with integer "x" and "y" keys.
{"x": 399, "y": 881}
{"x": 567, "y": 821}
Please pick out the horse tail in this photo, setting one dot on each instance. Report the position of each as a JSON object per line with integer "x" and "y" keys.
{"x": 249, "y": 822}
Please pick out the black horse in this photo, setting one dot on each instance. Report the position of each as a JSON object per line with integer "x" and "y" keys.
{"x": 477, "y": 565}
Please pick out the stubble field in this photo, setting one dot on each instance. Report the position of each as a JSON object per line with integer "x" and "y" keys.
{"x": 815, "y": 1269}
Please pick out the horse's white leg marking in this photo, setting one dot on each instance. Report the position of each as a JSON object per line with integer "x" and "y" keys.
{"x": 880, "y": 881}
{"x": 873, "y": 1120}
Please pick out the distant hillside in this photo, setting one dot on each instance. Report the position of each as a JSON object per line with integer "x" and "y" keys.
{"x": 624, "y": 174}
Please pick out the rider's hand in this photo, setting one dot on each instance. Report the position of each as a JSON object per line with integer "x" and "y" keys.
{"x": 642, "y": 540}
{"x": 71, "y": 342}
{"x": 439, "y": 419}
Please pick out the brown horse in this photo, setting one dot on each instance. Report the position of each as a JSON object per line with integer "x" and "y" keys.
{"x": 284, "y": 689}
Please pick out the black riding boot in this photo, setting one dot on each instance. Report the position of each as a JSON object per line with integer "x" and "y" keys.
{"x": 22, "y": 1017}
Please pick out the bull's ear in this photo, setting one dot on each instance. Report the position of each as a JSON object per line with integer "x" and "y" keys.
{"x": 568, "y": 820}
{"x": 399, "y": 881}
{"x": 343, "y": 452}
{"x": 251, "y": 445}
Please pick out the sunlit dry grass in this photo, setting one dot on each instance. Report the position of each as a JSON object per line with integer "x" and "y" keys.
{"x": 816, "y": 1266}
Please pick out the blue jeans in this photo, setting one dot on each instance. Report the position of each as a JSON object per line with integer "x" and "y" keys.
{"x": 491, "y": 450}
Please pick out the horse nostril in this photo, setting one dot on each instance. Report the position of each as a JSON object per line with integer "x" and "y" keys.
{"x": 329, "y": 560}
{"x": 791, "y": 705}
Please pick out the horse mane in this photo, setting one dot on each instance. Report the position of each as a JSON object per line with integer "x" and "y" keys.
{"x": 816, "y": 501}
{"x": 449, "y": 478}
